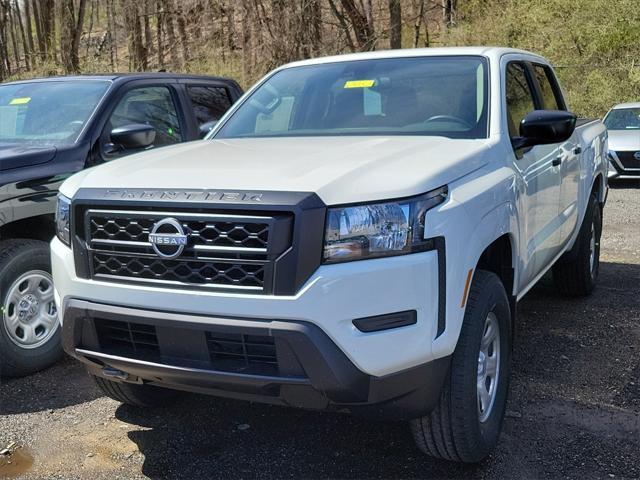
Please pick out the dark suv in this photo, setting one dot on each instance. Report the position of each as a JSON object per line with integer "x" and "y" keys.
{"x": 51, "y": 128}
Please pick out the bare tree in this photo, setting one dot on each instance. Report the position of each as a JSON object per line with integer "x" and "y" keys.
{"x": 361, "y": 23}
{"x": 137, "y": 52}
{"x": 25, "y": 43}
{"x": 70, "y": 33}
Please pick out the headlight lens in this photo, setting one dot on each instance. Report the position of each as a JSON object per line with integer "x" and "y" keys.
{"x": 62, "y": 219}
{"x": 379, "y": 229}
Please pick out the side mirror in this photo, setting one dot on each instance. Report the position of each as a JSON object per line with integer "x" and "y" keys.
{"x": 135, "y": 135}
{"x": 205, "y": 128}
{"x": 543, "y": 127}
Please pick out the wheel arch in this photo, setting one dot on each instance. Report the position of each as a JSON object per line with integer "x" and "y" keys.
{"x": 40, "y": 227}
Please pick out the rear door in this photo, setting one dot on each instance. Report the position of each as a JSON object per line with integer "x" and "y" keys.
{"x": 207, "y": 102}
{"x": 539, "y": 225}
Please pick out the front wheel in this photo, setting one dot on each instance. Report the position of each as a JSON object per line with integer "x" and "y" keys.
{"x": 29, "y": 329}
{"x": 466, "y": 423}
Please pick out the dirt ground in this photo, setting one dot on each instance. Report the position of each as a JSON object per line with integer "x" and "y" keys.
{"x": 574, "y": 408}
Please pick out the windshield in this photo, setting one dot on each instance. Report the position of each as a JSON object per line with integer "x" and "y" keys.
{"x": 623, "y": 119}
{"x": 445, "y": 96}
{"x": 47, "y": 113}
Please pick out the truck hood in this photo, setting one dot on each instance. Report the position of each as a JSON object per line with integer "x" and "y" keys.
{"x": 624, "y": 140}
{"x": 17, "y": 156}
{"x": 338, "y": 169}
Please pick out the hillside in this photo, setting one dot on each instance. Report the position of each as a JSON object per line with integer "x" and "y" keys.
{"x": 593, "y": 43}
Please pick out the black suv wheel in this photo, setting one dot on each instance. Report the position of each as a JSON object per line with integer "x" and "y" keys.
{"x": 29, "y": 329}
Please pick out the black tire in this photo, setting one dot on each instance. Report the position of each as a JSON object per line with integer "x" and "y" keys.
{"x": 136, "y": 395}
{"x": 574, "y": 275}
{"x": 18, "y": 257}
{"x": 454, "y": 430}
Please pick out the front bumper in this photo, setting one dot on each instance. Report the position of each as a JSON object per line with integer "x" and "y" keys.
{"x": 617, "y": 171}
{"x": 305, "y": 368}
{"x": 331, "y": 299}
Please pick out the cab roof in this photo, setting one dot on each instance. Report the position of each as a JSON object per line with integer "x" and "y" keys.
{"x": 489, "y": 52}
{"x": 626, "y": 105}
{"x": 114, "y": 77}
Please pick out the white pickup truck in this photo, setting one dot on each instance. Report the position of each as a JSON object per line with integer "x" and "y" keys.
{"x": 354, "y": 235}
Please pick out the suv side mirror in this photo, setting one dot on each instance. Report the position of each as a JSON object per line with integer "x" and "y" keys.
{"x": 543, "y": 127}
{"x": 135, "y": 135}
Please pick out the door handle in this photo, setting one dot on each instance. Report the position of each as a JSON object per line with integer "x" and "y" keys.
{"x": 577, "y": 150}
{"x": 556, "y": 161}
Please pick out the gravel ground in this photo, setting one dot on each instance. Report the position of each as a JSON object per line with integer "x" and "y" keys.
{"x": 574, "y": 408}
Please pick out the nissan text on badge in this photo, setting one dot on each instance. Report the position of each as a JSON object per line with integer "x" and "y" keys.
{"x": 354, "y": 235}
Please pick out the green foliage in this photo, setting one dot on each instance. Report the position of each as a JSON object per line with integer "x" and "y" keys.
{"x": 594, "y": 44}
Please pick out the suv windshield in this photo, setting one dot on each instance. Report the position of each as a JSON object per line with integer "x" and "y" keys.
{"x": 48, "y": 113}
{"x": 445, "y": 96}
{"x": 623, "y": 119}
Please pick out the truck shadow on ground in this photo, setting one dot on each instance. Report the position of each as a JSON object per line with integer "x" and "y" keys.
{"x": 228, "y": 439}
{"x": 623, "y": 184}
{"x": 557, "y": 342}
{"x": 38, "y": 392}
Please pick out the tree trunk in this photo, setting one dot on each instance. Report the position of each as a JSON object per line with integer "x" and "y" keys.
{"x": 137, "y": 54}
{"x": 5, "y": 62}
{"x": 12, "y": 32}
{"x": 395, "y": 24}
{"x": 171, "y": 35}
{"x": 361, "y": 24}
{"x": 159, "y": 23}
{"x": 27, "y": 20}
{"x": 182, "y": 30}
{"x": 70, "y": 33}
{"x": 42, "y": 48}
{"x": 343, "y": 25}
{"x": 25, "y": 43}
{"x": 448, "y": 12}
{"x": 148, "y": 36}
{"x": 312, "y": 21}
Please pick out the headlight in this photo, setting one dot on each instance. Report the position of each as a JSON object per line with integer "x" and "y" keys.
{"x": 378, "y": 229}
{"x": 62, "y": 219}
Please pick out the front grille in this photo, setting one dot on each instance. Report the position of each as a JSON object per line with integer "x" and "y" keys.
{"x": 222, "y": 251}
{"x": 193, "y": 272}
{"x": 225, "y": 352}
{"x": 245, "y": 349}
{"x": 128, "y": 339}
{"x": 628, "y": 160}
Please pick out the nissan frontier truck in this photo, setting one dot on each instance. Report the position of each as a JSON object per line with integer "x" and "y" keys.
{"x": 354, "y": 235}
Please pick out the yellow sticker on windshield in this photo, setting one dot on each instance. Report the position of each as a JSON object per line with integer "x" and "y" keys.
{"x": 359, "y": 84}
{"x": 20, "y": 101}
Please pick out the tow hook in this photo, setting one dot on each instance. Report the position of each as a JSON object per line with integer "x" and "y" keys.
{"x": 111, "y": 372}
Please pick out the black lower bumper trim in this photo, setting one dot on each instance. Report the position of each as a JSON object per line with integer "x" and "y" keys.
{"x": 311, "y": 372}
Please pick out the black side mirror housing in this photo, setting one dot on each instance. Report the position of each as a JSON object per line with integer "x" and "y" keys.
{"x": 544, "y": 127}
{"x": 133, "y": 136}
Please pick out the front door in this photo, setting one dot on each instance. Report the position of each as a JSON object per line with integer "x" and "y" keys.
{"x": 539, "y": 223}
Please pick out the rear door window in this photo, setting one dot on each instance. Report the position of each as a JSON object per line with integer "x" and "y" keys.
{"x": 548, "y": 91}
{"x": 209, "y": 103}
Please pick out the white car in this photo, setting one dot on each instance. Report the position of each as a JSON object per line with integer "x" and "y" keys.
{"x": 623, "y": 124}
{"x": 354, "y": 235}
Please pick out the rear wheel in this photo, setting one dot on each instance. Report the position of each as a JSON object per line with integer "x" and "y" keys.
{"x": 136, "y": 395}
{"x": 466, "y": 423}
{"x": 576, "y": 273}
{"x": 29, "y": 333}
